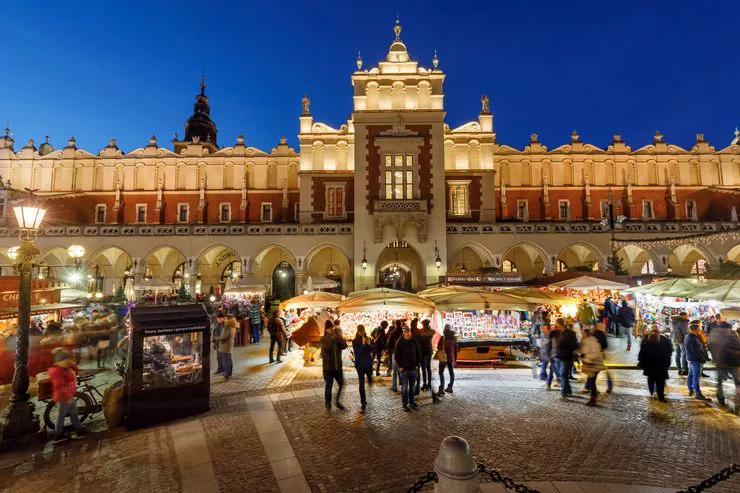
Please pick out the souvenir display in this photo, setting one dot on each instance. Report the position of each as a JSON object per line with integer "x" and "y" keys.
{"x": 485, "y": 325}
{"x": 350, "y": 321}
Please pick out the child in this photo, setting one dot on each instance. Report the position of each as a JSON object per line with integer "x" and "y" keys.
{"x": 63, "y": 375}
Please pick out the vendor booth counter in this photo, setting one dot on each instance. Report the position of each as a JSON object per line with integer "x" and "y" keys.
{"x": 168, "y": 364}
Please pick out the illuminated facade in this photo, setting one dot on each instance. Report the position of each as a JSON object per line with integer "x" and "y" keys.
{"x": 394, "y": 185}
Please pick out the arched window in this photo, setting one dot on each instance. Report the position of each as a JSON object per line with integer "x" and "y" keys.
{"x": 508, "y": 266}
{"x": 699, "y": 268}
{"x": 560, "y": 266}
{"x": 648, "y": 267}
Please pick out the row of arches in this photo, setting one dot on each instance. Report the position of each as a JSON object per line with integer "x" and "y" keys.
{"x": 531, "y": 260}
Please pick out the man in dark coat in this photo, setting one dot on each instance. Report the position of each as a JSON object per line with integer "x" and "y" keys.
{"x": 724, "y": 344}
{"x": 381, "y": 340}
{"x": 626, "y": 318}
{"x": 407, "y": 358}
{"x": 679, "y": 329}
{"x": 566, "y": 347}
{"x": 393, "y": 338}
{"x": 426, "y": 333}
{"x": 654, "y": 359}
{"x": 610, "y": 312}
{"x": 332, "y": 345}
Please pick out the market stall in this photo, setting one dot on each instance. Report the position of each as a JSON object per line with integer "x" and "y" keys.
{"x": 167, "y": 375}
{"x": 487, "y": 322}
{"x": 305, "y": 316}
{"x": 320, "y": 282}
{"x": 155, "y": 290}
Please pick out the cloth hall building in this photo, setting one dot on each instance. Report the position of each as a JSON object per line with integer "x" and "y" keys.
{"x": 375, "y": 201}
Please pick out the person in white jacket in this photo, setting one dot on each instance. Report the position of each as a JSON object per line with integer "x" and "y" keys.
{"x": 592, "y": 358}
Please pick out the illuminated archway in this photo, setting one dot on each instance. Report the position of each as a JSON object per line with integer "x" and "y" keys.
{"x": 580, "y": 256}
{"x": 400, "y": 267}
{"x": 688, "y": 260}
{"x": 211, "y": 265}
{"x": 636, "y": 260}
{"x": 470, "y": 257}
{"x": 330, "y": 261}
{"x": 107, "y": 269}
{"x": 527, "y": 258}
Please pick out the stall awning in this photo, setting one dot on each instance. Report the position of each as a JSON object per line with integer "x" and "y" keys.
{"x": 384, "y": 299}
{"x": 587, "y": 283}
{"x": 534, "y": 295}
{"x": 314, "y": 299}
{"x": 477, "y": 299}
{"x": 6, "y": 313}
{"x": 678, "y": 288}
{"x": 248, "y": 284}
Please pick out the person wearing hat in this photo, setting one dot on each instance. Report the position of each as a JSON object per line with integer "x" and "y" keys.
{"x": 407, "y": 357}
{"x": 63, "y": 375}
{"x": 696, "y": 355}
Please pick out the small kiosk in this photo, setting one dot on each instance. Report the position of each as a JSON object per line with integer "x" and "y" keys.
{"x": 168, "y": 364}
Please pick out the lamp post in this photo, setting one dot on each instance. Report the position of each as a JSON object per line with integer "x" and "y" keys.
{"x": 18, "y": 421}
{"x": 76, "y": 252}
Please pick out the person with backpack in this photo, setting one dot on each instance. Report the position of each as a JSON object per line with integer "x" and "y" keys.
{"x": 276, "y": 328}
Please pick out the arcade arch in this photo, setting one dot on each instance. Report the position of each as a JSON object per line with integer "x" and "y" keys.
{"x": 636, "y": 260}
{"x": 211, "y": 265}
{"x": 270, "y": 263}
{"x": 579, "y": 256}
{"x": 330, "y": 261}
{"x": 527, "y": 258}
{"x": 399, "y": 266}
{"x": 733, "y": 255}
{"x": 472, "y": 256}
{"x": 161, "y": 262}
{"x": 107, "y": 268}
{"x": 688, "y": 260}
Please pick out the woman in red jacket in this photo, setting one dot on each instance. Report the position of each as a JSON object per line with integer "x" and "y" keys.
{"x": 63, "y": 375}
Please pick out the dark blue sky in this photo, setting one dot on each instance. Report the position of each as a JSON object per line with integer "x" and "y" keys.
{"x": 97, "y": 70}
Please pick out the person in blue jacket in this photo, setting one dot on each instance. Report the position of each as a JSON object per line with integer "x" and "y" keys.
{"x": 696, "y": 355}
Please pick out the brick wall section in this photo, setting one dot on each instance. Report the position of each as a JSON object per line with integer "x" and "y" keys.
{"x": 373, "y": 163}
{"x": 82, "y": 209}
{"x": 318, "y": 196}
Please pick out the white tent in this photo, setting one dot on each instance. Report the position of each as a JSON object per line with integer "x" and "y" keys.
{"x": 587, "y": 283}
{"x": 248, "y": 284}
{"x": 320, "y": 282}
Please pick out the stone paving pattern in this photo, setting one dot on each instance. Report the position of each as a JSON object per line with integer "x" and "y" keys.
{"x": 511, "y": 422}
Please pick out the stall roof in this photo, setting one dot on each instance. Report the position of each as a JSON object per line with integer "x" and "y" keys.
{"x": 678, "y": 287}
{"x": 314, "y": 299}
{"x": 158, "y": 318}
{"x": 588, "y": 283}
{"x": 534, "y": 295}
{"x": 384, "y": 299}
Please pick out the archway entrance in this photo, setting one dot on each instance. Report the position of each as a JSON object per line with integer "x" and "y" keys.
{"x": 524, "y": 258}
{"x": 283, "y": 281}
{"x": 400, "y": 267}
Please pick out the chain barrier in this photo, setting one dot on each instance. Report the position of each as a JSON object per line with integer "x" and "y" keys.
{"x": 508, "y": 483}
{"x": 715, "y": 478}
{"x": 422, "y": 482}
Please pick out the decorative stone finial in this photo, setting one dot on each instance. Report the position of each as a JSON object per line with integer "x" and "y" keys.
{"x": 111, "y": 143}
{"x": 699, "y": 138}
{"x": 203, "y": 82}
{"x": 7, "y": 130}
{"x": 240, "y": 140}
{"x": 533, "y": 138}
{"x": 72, "y": 142}
{"x": 153, "y": 141}
{"x": 658, "y": 137}
{"x": 397, "y": 29}
{"x": 574, "y": 137}
{"x": 617, "y": 138}
{"x": 46, "y": 137}
{"x": 359, "y": 61}
{"x": 435, "y": 60}
{"x": 306, "y": 102}
{"x": 485, "y": 104}
{"x": 30, "y": 144}
{"x": 283, "y": 140}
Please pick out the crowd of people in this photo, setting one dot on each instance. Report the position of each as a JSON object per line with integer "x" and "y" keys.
{"x": 565, "y": 344}
{"x": 405, "y": 348}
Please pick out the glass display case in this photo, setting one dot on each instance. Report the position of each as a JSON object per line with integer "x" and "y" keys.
{"x": 172, "y": 360}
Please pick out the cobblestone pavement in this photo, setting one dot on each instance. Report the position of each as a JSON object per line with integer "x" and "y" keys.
{"x": 511, "y": 422}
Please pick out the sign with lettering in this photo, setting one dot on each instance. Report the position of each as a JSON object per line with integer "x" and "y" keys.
{"x": 492, "y": 279}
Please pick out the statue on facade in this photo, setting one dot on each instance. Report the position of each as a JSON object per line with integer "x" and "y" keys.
{"x": 485, "y": 104}
{"x": 306, "y": 103}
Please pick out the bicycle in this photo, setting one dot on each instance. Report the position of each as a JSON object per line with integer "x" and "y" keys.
{"x": 87, "y": 398}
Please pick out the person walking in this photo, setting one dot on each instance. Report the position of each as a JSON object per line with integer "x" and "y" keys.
{"x": 63, "y": 376}
{"x": 549, "y": 348}
{"x": 696, "y": 355}
{"x": 332, "y": 344}
{"x": 226, "y": 344}
{"x": 600, "y": 334}
{"x": 724, "y": 344}
{"x": 407, "y": 358}
{"x": 626, "y": 316}
{"x": 566, "y": 347}
{"x": 592, "y": 358}
{"x": 611, "y": 311}
{"x": 364, "y": 351}
{"x": 426, "y": 334}
{"x": 416, "y": 334}
{"x": 447, "y": 344}
{"x": 654, "y": 359}
{"x": 393, "y": 338}
{"x": 276, "y": 328}
{"x": 586, "y": 315}
{"x": 255, "y": 320}
{"x": 679, "y": 329}
{"x": 381, "y": 341}
{"x": 215, "y": 337}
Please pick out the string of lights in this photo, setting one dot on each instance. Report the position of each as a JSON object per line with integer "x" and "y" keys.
{"x": 723, "y": 237}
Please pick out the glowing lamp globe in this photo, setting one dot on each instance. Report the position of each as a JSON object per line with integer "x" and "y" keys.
{"x": 76, "y": 251}
{"x": 29, "y": 217}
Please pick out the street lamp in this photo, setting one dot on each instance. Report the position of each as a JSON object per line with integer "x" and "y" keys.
{"x": 364, "y": 257}
{"x": 18, "y": 421}
{"x": 76, "y": 252}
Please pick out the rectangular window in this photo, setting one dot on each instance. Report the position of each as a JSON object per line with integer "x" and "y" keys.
{"x": 691, "y": 212}
{"x": 266, "y": 212}
{"x": 564, "y": 207}
{"x": 141, "y": 213}
{"x": 296, "y": 212}
{"x": 604, "y": 209}
{"x": 398, "y": 178}
{"x": 335, "y": 201}
{"x": 183, "y": 213}
{"x": 522, "y": 209}
{"x": 647, "y": 209}
{"x": 224, "y": 215}
{"x": 459, "y": 198}
{"x": 100, "y": 214}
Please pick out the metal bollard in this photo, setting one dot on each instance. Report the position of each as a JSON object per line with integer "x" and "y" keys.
{"x": 456, "y": 470}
